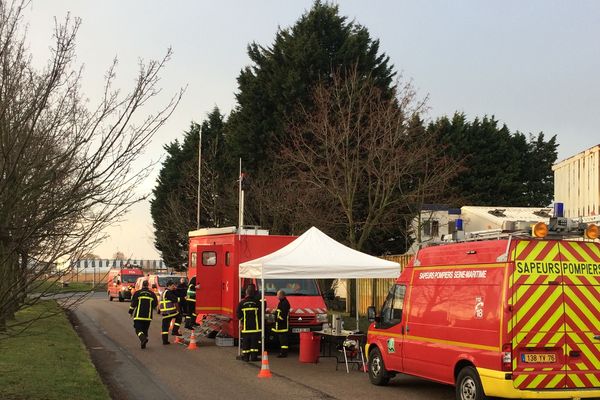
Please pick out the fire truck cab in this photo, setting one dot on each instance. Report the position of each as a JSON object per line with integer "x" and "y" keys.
{"x": 215, "y": 255}
{"x": 513, "y": 317}
{"x": 121, "y": 282}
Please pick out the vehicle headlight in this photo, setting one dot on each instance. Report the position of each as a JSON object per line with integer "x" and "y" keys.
{"x": 123, "y": 287}
{"x": 322, "y": 318}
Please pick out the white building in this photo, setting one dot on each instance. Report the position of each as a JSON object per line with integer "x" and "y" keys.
{"x": 577, "y": 183}
{"x": 437, "y": 223}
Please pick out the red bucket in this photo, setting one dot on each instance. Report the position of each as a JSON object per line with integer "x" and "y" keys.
{"x": 310, "y": 347}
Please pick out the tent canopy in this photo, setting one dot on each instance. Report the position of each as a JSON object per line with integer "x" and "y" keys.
{"x": 316, "y": 255}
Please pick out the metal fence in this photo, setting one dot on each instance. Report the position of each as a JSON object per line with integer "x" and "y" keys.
{"x": 372, "y": 292}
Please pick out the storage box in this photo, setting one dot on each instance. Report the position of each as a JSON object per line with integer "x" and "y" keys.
{"x": 224, "y": 341}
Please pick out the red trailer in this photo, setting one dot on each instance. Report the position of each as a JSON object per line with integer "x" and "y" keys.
{"x": 215, "y": 255}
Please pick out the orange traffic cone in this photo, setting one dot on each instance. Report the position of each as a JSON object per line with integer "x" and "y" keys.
{"x": 265, "y": 372}
{"x": 192, "y": 345}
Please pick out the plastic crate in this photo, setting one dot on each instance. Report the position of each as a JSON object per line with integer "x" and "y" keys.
{"x": 224, "y": 341}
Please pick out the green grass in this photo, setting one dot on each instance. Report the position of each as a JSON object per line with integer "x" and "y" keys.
{"x": 51, "y": 287}
{"x": 48, "y": 361}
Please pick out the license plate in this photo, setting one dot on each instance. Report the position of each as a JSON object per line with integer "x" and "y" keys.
{"x": 297, "y": 330}
{"x": 538, "y": 358}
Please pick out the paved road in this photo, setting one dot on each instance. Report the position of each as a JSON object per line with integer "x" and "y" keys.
{"x": 172, "y": 372}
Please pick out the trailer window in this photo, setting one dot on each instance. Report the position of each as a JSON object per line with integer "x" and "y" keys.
{"x": 209, "y": 258}
{"x": 194, "y": 260}
{"x": 391, "y": 313}
{"x": 227, "y": 258}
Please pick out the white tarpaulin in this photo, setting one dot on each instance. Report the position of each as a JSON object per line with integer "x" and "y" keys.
{"x": 314, "y": 255}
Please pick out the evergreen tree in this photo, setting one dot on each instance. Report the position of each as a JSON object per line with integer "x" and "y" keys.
{"x": 282, "y": 77}
{"x": 499, "y": 168}
{"x": 280, "y": 82}
{"x": 174, "y": 205}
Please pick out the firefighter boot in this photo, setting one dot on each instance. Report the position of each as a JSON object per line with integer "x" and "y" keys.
{"x": 143, "y": 340}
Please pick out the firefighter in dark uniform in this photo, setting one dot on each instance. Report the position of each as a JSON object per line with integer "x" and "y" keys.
{"x": 190, "y": 300}
{"x": 143, "y": 302}
{"x": 282, "y": 323}
{"x": 181, "y": 293}
{"x": 169, "y": 309}
{"x": 248, "y": 312}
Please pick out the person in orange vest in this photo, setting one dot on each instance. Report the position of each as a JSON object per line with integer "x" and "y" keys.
{"x": 169, "y": 309}
{"x": 282, "y": 323}
{"x": 143, "y": 302}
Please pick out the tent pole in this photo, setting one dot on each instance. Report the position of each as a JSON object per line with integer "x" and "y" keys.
{"x": 357, "y": 304}
{"x": 239, "y": 328}
{"x": 262, "y": 310}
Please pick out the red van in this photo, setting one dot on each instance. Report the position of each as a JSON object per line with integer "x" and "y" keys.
{"x": 121, "y": 282}
{"x": 215, "y": 255}
{"x": 516, "y": 317}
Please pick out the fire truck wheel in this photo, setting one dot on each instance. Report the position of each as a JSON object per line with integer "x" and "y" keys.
{"x": 378, "y": 375}
{"x": 468, "y": 385}
{"x": 121, "y": 299}
{"x": 109, "y": 297}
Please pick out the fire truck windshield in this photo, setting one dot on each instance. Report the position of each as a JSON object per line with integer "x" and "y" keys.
{"x": 129, "y": 278}
{"x": 291, "y": 287}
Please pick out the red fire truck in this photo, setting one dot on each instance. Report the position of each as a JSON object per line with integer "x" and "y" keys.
{"x": 514, "y": 317}
{"x": 121, "y": 281}
{"x": 214, "y": 257}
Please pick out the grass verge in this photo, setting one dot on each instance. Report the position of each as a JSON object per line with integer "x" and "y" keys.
{"x": 48, "y": 361}
{"x": 51, "y": 287}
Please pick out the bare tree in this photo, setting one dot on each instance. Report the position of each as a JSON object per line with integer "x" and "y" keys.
{"x": 66, "y": 168}
{"x": 359, "y": 159}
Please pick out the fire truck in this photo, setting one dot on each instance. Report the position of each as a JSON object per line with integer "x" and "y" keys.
{"x": 517, "y": 316}
{"x": 121, "y": 281}
{"x": 214, "y": 258}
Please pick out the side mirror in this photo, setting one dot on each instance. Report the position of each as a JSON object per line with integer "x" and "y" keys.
{"x": 371, "y": 315}
{"x": 154, "y": 286}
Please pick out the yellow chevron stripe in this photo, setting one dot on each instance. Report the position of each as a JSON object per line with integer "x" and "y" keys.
{"x": 587, "y": 293}
{"x": 536, "y": 381}
{"x": 576, "y": 380}
{"x": 575, "y": 318}
{"x": 595, "y": 249}
{"x": 594, "y": 379}
{"x": 518, "y": 380}
{"x": 542, "y": 308}
{"x": 556, "y": 380}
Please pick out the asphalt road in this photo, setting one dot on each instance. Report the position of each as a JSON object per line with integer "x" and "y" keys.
{"x": 173, "y": 372}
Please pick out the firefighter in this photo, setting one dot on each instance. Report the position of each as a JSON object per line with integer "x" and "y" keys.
{"x": 181, "y": 294}
{"x": 143, "y": 302}
{"x": 169, "y": 309}
{"x": 282, "y": 323}
{"x": 190, "y": 299}
{"x": 248, "y": 312}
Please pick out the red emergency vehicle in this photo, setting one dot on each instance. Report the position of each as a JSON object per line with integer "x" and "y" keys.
{"x": 121, "y": 281}
{"x": 215, "y": 255}
{"x": 515, "y": 317}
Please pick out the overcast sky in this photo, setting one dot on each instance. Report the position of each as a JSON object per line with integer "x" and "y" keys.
{"x": 534, "y": 65}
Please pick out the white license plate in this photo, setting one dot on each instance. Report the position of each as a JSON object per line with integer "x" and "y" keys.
{"x": 538, "y": 358}
{"x": 297, "y": 330}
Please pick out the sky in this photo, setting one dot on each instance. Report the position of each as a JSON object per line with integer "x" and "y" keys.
{"x": 533, "y": 65}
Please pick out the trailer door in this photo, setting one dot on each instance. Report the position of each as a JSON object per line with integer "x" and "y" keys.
{"x": 581, "y": 283}
{"x": 209, "y": 275}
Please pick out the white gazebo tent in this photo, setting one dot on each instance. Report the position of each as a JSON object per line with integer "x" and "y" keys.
{"x": 314, "y": 255}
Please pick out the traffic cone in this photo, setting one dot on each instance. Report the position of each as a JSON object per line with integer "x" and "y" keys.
{"x": 265, "y": 372}
{"x": 192, "y": 345}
